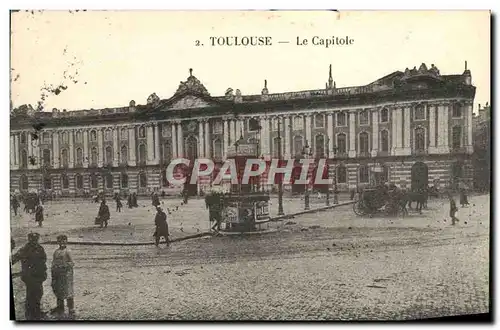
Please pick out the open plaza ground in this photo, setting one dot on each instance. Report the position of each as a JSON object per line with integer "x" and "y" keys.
{"x": 329, "y": 265}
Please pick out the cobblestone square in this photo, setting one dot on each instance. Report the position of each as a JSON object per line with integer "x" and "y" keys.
{"x": 330, "y": 265}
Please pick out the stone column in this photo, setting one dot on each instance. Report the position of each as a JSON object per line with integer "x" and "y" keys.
{"x": 237, "y": 130}
{"x": 180, "y": 140}
{"x": 446, "y": 124}
{"x": 308, "y": 130}
{"x": 352, "y": 134}
{"x": 150, "y": 143}
{"x": 16, "y": 148}
{"x": 56, "y": 153}
{"x": 226, "y": 137}
{"x": 71, "y": 150}
{"x": 375, "y": 133}
{"x": 264, "y": 136}
{"x": 234, "y": 136}
{"x": 201, "y": 138}
{"x": 132, "y": 160}
{"x": 286, "y": 137}
{"x": 12, "y": 154}
{"x": 331, "y": 137}
{"x": 208, "y": 140}
{"x": 397, "y": 131}
{"x": 100, "y": 148}
{"x": 115, "y": 146}
{"x": 443, "y": 129}
{"x": 85, "y": 134}
{"x": 432, "y": 129}
{"x": 157, "y": 143}
{"x": 174, "y": 139}
{"x": 406, "y": 131}
{"x": 468, "y": 114}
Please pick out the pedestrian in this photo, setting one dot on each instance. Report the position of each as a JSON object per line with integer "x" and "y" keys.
{"x": 161, "y": 226}
{"x": 103, "y": 214}
{"x": 62, "y": 277}
{"x": 453, "y": 209}
{"x": 33, "y": 274}
{"x": 463, "y": 193}
{"x": 155, "y": 200}
{"x": 119, "y": 204}
{"x": 39, "y": 215}
{"x": 15, "y": 204}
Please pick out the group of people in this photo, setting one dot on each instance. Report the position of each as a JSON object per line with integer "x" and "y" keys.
{"x": 34, "y": 273}
{"x": 32, "y": 204}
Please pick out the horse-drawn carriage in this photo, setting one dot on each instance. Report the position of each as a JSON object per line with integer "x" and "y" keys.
{"x": 377, "y": 199}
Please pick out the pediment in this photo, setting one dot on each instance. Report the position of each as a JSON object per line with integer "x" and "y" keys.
{"x": 189, "y": 102}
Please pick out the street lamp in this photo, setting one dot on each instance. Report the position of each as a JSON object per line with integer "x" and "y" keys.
{"x": 335, "y": 191}
{"x": 280, "y": 183}
{"x": 328, "y": 170}
{"x": 306, "y": 153}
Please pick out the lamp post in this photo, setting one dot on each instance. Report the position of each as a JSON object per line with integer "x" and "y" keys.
{"x": 280, "y": 183}
{"x": 335, "y": 192}
{"x": 328, "y": 171}
{"x": 306, "y": 154}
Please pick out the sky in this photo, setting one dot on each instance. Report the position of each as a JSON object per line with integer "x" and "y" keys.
{"x": 107, "y": 58}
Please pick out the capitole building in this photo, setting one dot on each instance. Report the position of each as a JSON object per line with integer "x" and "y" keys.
{"x": 416, "y": 125}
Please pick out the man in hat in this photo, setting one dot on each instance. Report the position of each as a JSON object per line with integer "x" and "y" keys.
{"x": 33, "y": 274}
{"x": 103, "y": 214}
{"x": 15, "y": 204}
{"x": 161, "y": 226}
{"x": 39, "y": 215}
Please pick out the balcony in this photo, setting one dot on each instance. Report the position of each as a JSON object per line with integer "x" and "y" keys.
{"x": 383, "y": 153}
{"x": 420, "y": 152}
{"x": 458, "y": 150}
{"x": 364, "y": 154}
{"x": 341, "y": 155}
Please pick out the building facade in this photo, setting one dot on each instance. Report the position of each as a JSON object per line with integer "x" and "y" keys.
{"x": 482, "y": 148}
{"x": 416, "y": 125}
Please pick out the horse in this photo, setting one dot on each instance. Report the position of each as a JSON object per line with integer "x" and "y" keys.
{"x": 420, "y": 196}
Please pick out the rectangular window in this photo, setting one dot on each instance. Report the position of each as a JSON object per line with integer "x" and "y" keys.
{"x": 364, "y": 117}
{"x": 341, "y": 119}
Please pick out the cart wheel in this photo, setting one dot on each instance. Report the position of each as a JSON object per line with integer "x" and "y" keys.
{"x": 359, "y": 208}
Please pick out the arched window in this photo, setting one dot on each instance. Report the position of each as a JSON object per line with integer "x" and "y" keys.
{"x": 363, "y": 143}
{"x": 319, "y": 121}
{"x": 419, "y": 139}
{"x": 79, "y": 156}
{"x": 341, "y": 143}
{"x": 93, "y": 181}
{"x": 364, "y": 117}
{"x": 143, "y": 182}
{"x": 64, "y": 137}
{"x": 218, "y": 148}
{"x": 109, "y": 155}
{"x": 319, "y": 144}
{"x": 298, "y": 145}
{"x": 124, "y": 134}
{"x": 93, "y": 136}
{"x": 457, "y": 110}
{"x": 419, "y": 112}
{"x": 456, "y": 137}
{"x": 341, "y": 119}
{"x": 79, "y": 181}
{"x": 23, "y": 182}
{"x": 47, "y": 182}
{"x": 142, "y": 132}
{"x": 363, "y": 174}
{"x": 142, "y": 153}
{"x": 124, "y": 155}
{"x": 46, "y": 157}
{"x": 78, "y": 137}
{"x": 64, "y": 157}
{"x": 64, "y": 181}
{"x": 298, "y": 123}
{"x": 24, "y": 159}
{"x": 384, "y": 141}
{"x": 93, "y": 156}
{"x": 124, "y": 180}
{"x": 109, "y": 181}
{"x": 108, "y": 135}
{"x": 253, "y": 125}
{"x": 384, "y": 115}
{"x": 191, "y": 147}
{"x": 23, "y": 137}
{"x": 341, "y": 174}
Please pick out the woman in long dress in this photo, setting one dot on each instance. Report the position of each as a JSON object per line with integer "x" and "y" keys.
{"x": 62, "y": 277}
